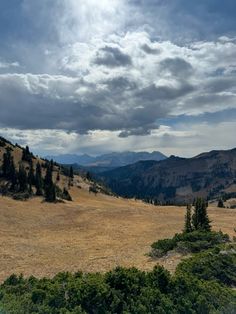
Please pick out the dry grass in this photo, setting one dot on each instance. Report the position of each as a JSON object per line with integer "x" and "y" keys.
{"x": 93, "y": 233}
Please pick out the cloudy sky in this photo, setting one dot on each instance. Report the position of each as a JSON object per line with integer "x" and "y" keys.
{"x": 112, "y": 75}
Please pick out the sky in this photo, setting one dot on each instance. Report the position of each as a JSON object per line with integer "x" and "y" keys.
{"x": 88, "y": 76}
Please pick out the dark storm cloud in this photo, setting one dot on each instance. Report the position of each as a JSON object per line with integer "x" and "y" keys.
{"x": 112, "y": 57}
{"x": 177, "y": 67}
{"x": 120, "y": 84}
{"x": 102, "y": 109}
{"x": 149, "y": 50}
{"x": 153, "y": 92}
{"x": 140, "y": 131}
{"x": 97, "y": 70}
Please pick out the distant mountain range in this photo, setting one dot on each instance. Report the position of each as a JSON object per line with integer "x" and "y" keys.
{"x": 176, "y": 179}
{"x": 107, "y": 161}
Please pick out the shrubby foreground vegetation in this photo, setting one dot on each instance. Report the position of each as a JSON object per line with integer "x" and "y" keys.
{"x": 201, "y": 284}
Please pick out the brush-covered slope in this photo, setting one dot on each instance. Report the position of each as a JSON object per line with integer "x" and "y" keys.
{"x": 20, "y": 171}
{"x": 176, "y": 179}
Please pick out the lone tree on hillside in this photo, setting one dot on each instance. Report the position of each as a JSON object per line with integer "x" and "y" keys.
{"x": 200, "y": 219}
{"x": 71, "y": 175}
{"x": 220, "y": 203}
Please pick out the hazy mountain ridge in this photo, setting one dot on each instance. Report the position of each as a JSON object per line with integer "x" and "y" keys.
{"x": 112, "y": 160}
{"x": 176, "y": 179}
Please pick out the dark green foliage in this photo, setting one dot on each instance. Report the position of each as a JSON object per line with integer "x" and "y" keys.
{"x": 31, "y": 177}
{"x": 63, "y": 194}
{"x": 26, "y": 154}
{"x": 188, "y": 220}
{"x": 220, "y": 203}
{"x": 200, "y": 220}
{"x": 189, "y": 242}
{"x": 8, "y": 167}
{"x": 71, "y": 175}
{"x": 50, "y": 193}
{"x": 2, "y": 143}
{"x": 49, "y": 186}
{"x": 93, "y": 189}
{"x": 66, "y": 195}
{"x": 118, "y": 291}
{"x": 20, "y": 183}
{"x": 38, "y": 180}
{"x": 22, "y": 179}
{"x": 217, "y": 264}
{"x": 88, "y": 176}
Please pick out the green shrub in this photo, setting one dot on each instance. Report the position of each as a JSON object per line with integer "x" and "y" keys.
{"x": 191, "y": 242}
{"x": 217, "y": 264}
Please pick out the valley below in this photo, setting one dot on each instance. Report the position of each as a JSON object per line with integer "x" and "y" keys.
{"x": 94, "y": 233}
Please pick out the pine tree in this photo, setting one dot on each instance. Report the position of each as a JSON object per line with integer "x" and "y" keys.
{"x": 200, "y": 219}
{"x": 26, "y": 154}
{"x": 49, "y": 187}
{"x": 66, "y": 195}
{"x": 188, "y": 225}
{"x": 71, "y": 176}
{"x": 8, "y": 168}
{"x": 31, "y": 177}
{"x": 220, "y": 203}
{"x": 38, "y": 180}
{"x": 6, "y": 165}
{"x": 13, "y": 175}
{"x": 204, "y": 219}
{"x": 22, "y": 179}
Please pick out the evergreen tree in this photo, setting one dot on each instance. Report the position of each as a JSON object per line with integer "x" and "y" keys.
{"x": 6, "y": 165}
{"x": 155, "y": 201}
{"x": 13, "y": 175}
{"x": 26, "y": 154}
{"x": 71, "y": 175}
{"x": 66, "y": 195}
{"x": 188, "y": 225}
{"x": 38, "y": 180}
{"x": 22, "y": 179}
{"x": 200, "y": 219}
{"x": 31, "y": 177}
{"x": 88, "y": 176}
{"x": 49, "y": 187}
{"x": 8, "y": 168}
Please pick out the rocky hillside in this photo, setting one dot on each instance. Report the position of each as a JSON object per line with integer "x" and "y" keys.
{"x": 176, "y": 179}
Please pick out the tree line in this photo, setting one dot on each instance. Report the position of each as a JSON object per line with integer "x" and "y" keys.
{"x": 23, "y": 179}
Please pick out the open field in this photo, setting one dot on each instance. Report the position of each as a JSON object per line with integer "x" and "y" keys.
{"x": 93, "y": 233}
